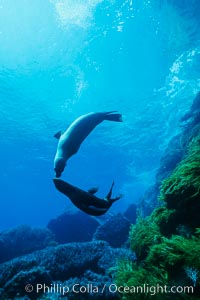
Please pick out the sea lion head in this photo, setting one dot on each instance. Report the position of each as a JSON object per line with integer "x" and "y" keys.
{"x": 59, "y": 166}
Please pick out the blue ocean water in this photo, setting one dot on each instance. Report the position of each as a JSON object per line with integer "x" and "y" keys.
{"x": 60, "y": 59}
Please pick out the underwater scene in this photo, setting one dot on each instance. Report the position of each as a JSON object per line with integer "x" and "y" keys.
{"x": 100, "y": 149}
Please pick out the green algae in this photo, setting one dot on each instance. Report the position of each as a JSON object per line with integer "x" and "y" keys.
{"x": 142, "y": 235}
{"x": 175, "y": 252}
{"x": 184, "y": 182}
{"x": 167, "y": 243}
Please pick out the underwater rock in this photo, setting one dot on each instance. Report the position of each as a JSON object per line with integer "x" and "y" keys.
{"x": 88, "y": 281}
{"x": 23, "y": 278}
{"x": 175, "y": 152}
{"x": 73, "y": 227}
{"x": 149, "y": 201}
{"x": 131, "y": 213}
{"x": 194, "y": 110}
{"x": 23, "y": 240}
{"x": 172, "y": 156}
{"x": 59, "y": 263}
{"x": 114, "y": 231}
{"x": 170, "y": 159}
{"x": 106, "y": 262}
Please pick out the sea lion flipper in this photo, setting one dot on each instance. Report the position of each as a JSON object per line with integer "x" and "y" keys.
{"x": 110, "y": 191}
{"x": 58, "y": 134}
{"x": 112, "y": 200}
{"x": 93, "y": 190}
{"x": 113, "y": 117}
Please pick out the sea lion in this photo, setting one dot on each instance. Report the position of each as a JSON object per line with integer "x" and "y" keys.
{"x": 70, "y": 141}
{"x": 86, "y": 201}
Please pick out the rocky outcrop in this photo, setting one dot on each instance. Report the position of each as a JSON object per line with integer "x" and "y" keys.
{"x": 114, "y": 231}
{"x": 63, "y": 263}
{"x": 73, "y": 227}
{"x": 23, "y": 240}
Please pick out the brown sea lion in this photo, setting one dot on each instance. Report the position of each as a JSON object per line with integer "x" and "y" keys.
{"x": 86, "y": 201}
{"x": 70, "y": 141}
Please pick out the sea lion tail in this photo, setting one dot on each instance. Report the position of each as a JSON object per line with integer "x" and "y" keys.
{"x": 112, "y": 200}
{"x": 113, "y": 117}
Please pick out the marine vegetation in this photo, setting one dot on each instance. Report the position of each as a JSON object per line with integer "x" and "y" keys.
{"x": 167, "y": 243}
{"x": 143, "y": 235}
{"x": 181, "y": 190}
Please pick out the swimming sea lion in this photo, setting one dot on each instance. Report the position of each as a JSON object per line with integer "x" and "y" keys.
{"x": 86, "y": 201}
{"x": 70, "y": 141}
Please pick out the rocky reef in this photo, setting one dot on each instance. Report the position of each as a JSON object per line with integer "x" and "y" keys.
{"x": 71, "y": 265}
{"x": 22, "y": 240}
{"x": 167, "y": 242}
{"x": 114, "y": 231}
{"x": 73, "y": 227}
{"x": 76, "y": 251}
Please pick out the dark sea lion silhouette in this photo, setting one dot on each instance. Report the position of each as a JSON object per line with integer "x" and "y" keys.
{"x": 70, "y": 141}
{"x": 86, "y": 201}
